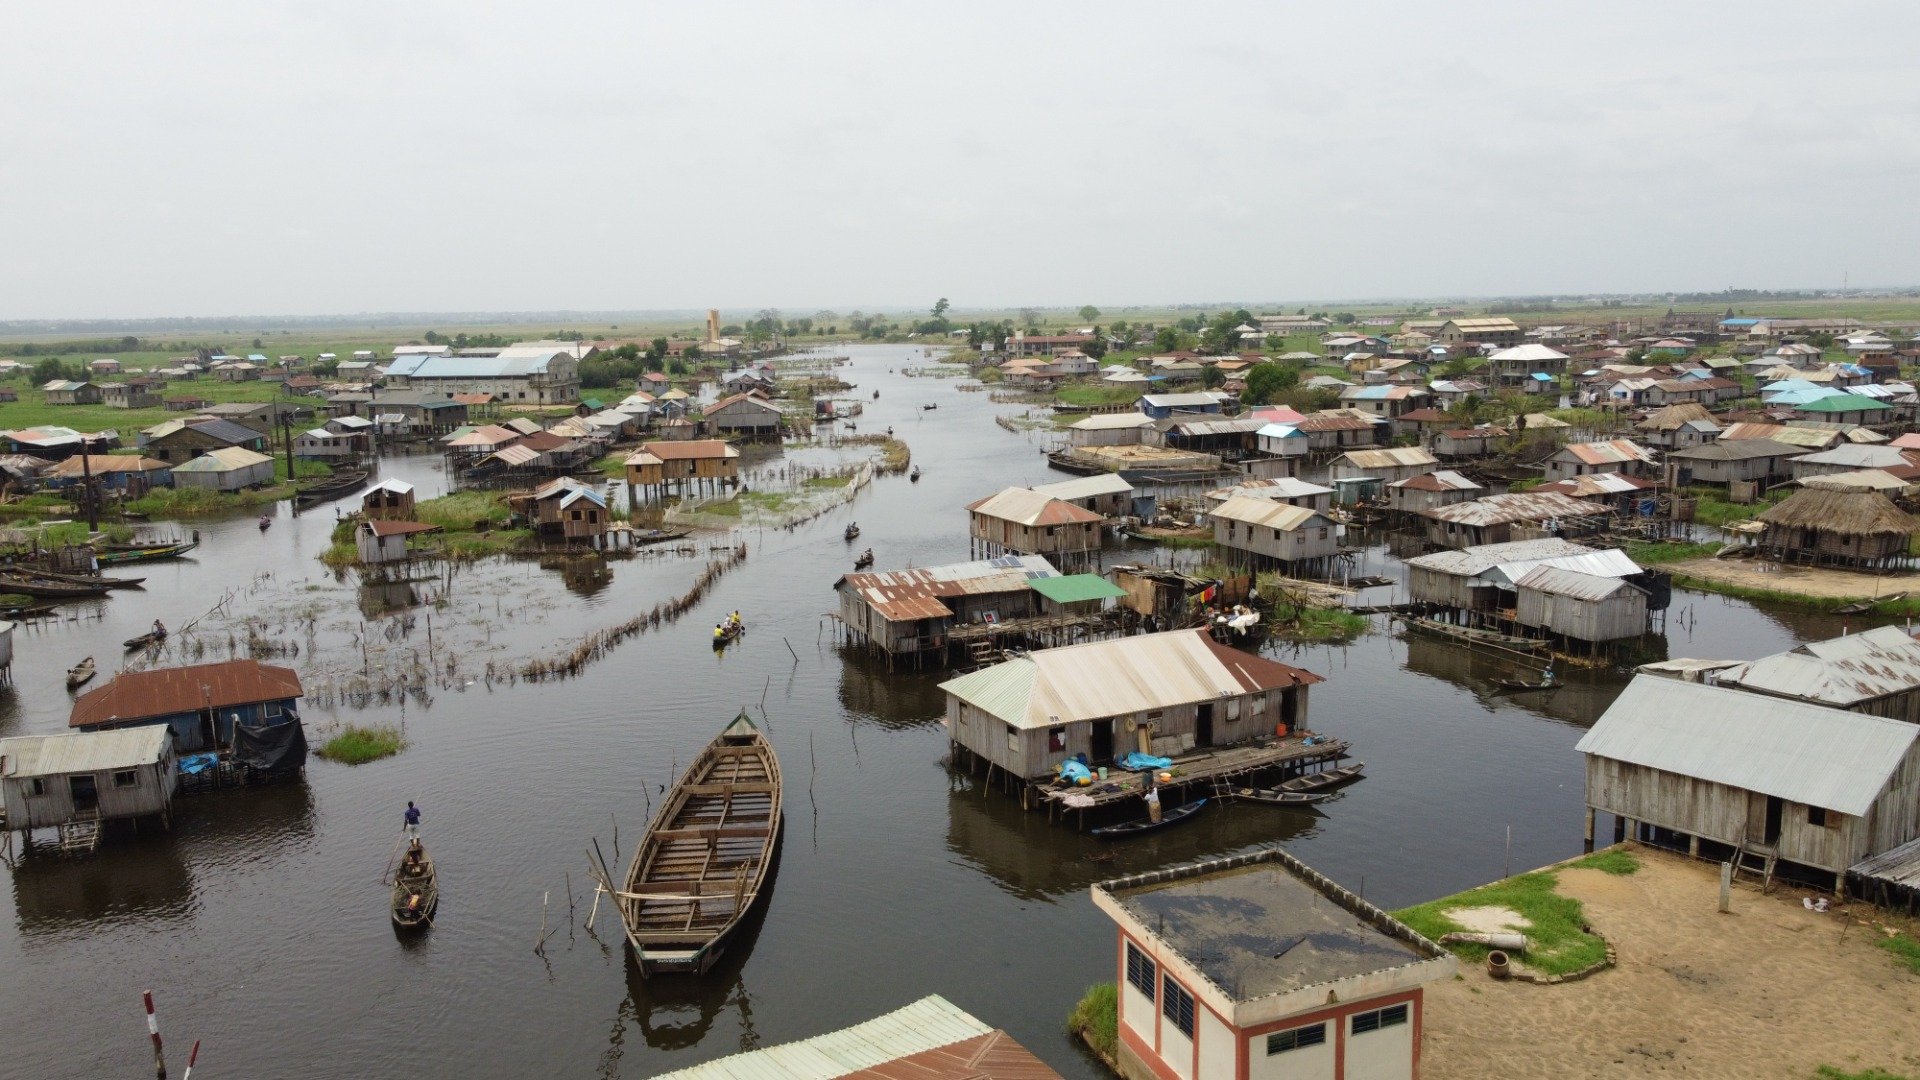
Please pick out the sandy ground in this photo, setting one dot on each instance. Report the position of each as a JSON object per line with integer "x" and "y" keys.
{"x": 1797, "y": 579}
{"x": 1770, "y": 990}
{"x": 1489, "y": 920}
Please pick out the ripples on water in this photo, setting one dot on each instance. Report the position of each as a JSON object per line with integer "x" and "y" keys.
{"x": 261, "y": 924}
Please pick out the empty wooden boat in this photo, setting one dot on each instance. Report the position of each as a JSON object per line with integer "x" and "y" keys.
{"x": 1146, "y": 824}
{"x": 416, "y": 890}
{"x": 33, "y": 584}
{"x": 706, "y": 856}
{"x": 1307, "y": 788}
{"x": 98, "y": 580}
{"x": 121, "y": 554}
{"x": 80, "y": 674}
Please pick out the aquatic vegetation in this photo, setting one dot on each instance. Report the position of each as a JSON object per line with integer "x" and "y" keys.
{"x": 357, "y": 745}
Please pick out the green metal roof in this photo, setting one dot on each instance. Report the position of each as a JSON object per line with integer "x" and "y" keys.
{"x": 1001, "y": 690}
{"x": 1841, "y": 403}
{"x": 1075, "y": 588}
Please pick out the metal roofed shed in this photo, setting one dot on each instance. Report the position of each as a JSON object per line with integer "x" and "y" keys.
{"x": 1074, "y": 589}
{"x": 931, "y": 1039}
{"x": 1221, "y": 959}
{"x": 74, "y": 781}
{"x": 1794, "y": 781}
{"x": 1875, "y": 671}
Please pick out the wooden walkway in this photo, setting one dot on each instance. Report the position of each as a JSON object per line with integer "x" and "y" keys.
{"x": 1201, "y": 772}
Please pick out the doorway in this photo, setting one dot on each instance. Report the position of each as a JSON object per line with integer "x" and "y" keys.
{"x": 86, "y": 796}
{"x": 1101, "y": 747}
{"x": 1203, "y": 725}
{"x": 1772, "y": 833}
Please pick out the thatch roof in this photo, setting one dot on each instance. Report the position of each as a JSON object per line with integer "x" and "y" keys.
{"x": 1849, "y": 513}
{"x": 1674, "y": 416}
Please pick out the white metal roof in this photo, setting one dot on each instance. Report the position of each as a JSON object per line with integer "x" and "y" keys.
{"x": 1841, "y": 671}
{"x": 1547, "y": 578}
{"x": 1276, "y": 487}
{"x": 1789, "y": 749}
{"x": 83, "y": 751}
{"x": 927, "y": 1024}
{"x": 1086, "y": 487}
{"x": 1267, "y": 513}
{"x": 1390, "y": 458}
{"x": 1468, "y": 562}
{"x": 1111, "y": 421}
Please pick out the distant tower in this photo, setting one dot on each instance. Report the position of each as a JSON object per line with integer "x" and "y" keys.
{"x": 713, "y": 324}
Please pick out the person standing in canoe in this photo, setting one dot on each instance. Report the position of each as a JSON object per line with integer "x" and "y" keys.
{"x": 412, "y": 817}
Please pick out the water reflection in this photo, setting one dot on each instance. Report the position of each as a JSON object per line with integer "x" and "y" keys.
{"x": 144, "y": 878}
{"x": 381, "y": 598}
{"x": 1579, "y": 699}
{"x": 1033, "y": 858}
{"x": 899, "y": 701}
{"x": 677, "y": 1012}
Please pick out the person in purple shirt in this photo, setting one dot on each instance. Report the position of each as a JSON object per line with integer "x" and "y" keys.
{"x": 413, "y": 819}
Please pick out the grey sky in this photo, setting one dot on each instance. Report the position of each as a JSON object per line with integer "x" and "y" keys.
{"x": 212, "y": 157}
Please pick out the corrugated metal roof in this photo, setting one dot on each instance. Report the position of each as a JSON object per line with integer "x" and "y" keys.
{"x": 83, "y": 751}
{"x": 508, "y": 363}
{"x": 691, "y": 448}
{"x": 1110, "y": 421}
{"x": 1857, "y": 456}
{"x": 1437, "y": 480}
{"x": 1076, "y": 588}
{"x": 1468, "y": 562}
{"x": 1237, "y": 426}
{"x": 1528, "y": 353}
{"x": 1024, "y": 506}
{"x": 1789, "y": 749}
{"x": 515, "y": 456}
{"x": 1588, "y": 485}
{"x": 906, "y": 595}
{"x": 1607, "y": 563}
{"x": 1119, "y": 676}
{"x": 1547, "y": 578}
{"x": 1610, "y": 452}
{"x": 135, "y": 695}
{"x": 1840, "y": 671}
{"x": 927, "y": 1024}
{"x": 1724, "y": 449}
{"x": 1277, "y": 487}
{"x": 1086, "y": 487}
{"x": 1856, "y": 480}
{"x": 1180, "y": 401}
{"x": 1392, "y": 458}
{"x": 1511, "y": 507}
{"x": 225, "y": 459}
{"x": 1266, "y": 513}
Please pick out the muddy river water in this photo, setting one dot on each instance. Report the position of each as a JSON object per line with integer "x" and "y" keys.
{"x": 261, "y": 925}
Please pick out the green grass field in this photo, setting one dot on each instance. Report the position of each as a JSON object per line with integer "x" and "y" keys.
{"x": 1557, "y": 941}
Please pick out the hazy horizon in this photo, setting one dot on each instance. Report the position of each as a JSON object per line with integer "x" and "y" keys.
{"x": 595, "y": 157}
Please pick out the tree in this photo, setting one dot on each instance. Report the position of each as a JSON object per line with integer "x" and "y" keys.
{"x": 433, "y": 337}
{"x": 1266, "y": 380}
{"x": 1167, "y": 339}
{"x": 1121, "y": 331}
{"x": 1089, "y": 313}
{"x": 1212, "y": 377}
{"x": 1097, "y": 348}
{"x": 45, "y": 371}
{"x": 940, "y": 307}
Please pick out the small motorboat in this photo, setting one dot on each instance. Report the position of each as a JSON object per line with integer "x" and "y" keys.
{"x": 914, "y": 475}
{"x": 1146, "y": 824}
{"x": 416, "y": 890}
{"x": 145, "y": 641}
{"x": 80, "y": 674}
{"x": 865, "y": 560}
{"x": 852, "y": 533}
{"x": 1307, "y": 788}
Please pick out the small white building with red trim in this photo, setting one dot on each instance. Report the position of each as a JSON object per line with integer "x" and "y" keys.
{"x": 1258, "y": 967}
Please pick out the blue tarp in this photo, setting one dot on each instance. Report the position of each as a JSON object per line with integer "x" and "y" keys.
{"x": 1139, "y": 762}
{"x": 193, "y": 764}
{"x": 1072, "y": 771}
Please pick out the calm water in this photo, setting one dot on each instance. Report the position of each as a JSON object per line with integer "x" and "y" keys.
{"x": 261, "y": 924}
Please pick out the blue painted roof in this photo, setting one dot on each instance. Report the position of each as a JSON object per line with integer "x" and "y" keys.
{"x": 1541, "y": 376}
{"x": 1739, "y": 322}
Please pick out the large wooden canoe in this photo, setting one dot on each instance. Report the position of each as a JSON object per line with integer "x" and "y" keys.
{"x": 121, "y": 554}
{"x": 706, "y": 855}
{"x": 416, "y": 890}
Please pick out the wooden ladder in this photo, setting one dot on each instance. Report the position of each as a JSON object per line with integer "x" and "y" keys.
{"x": 983, "y": 653}
{"x": 80, "y": 836}
{"x": 1769, "y": 859}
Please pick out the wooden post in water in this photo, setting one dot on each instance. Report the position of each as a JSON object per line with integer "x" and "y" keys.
{"x": 153, "y": 1030}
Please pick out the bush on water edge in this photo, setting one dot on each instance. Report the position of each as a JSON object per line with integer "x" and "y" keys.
{"x": 201, "y": 502}
{"x": 1097, "y": 1019}
{"x": 356, "y": 745}
{"x": 1557, "y": 942}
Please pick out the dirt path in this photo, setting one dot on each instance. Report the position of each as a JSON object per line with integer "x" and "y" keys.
{"x": 1843, "y": 584}
{"x": 1771, "y": 990}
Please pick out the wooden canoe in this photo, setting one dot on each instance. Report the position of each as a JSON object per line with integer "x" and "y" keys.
{"x": 1146, "y": 824}
{"x": 729, "y": 635}
{"x": 1281, "y": 798}
{"x": 92, "y": 580}
{"x": 1304, "y": 789}
{"x": 146, "y": 640}
{"x": 80, "y": 674}
{"x": 48, "y": 588}
{"x": 706, "y": 856}
{"x": 121, "y": 554}
{"x": 416, "y": 891}
{"x": 332, "y": 487}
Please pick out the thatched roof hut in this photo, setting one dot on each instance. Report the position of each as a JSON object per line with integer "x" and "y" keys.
{"x": 1841, "y": 528}
{"x": 1675, "y": 416}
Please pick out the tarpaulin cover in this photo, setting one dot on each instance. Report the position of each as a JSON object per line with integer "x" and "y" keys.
{"x": 1073, "y": 772}
{"x": 272, "y": 747}
{"x": 194, "y": 764}
{"x": 1138, "y": 760}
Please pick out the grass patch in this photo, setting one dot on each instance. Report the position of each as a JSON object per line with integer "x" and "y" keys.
{"x": 205, "y": 502}
{"x": 1556, "y": 942}
{"x": 829, "y": 481}
{"x": 1712, "y": 508}
{"x": 614, "y": 465}
{"x": 1317, "y": 624}
{"x": 464, "y": 511}
{"x": 1097, "y": 1019}
{"x": 303, "y": 468}
{"x": 356, "y": 745}
{"x": 1090, "y": 394}
{"x": 1652, "y": 554}
{"x": 1828, "y": 1072}
{"x": 1611, "y": 861}
{"x": 1906, "y": 949}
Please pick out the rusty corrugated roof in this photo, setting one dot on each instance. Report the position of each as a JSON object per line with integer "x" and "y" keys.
{"x": 135, "y": 695}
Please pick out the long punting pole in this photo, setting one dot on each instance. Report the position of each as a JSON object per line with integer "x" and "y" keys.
{"x": 153, "y": 1029}
{"x": 193, "y": 1055}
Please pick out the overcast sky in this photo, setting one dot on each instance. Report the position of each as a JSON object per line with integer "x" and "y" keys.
{"x": 225, "y": 158}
